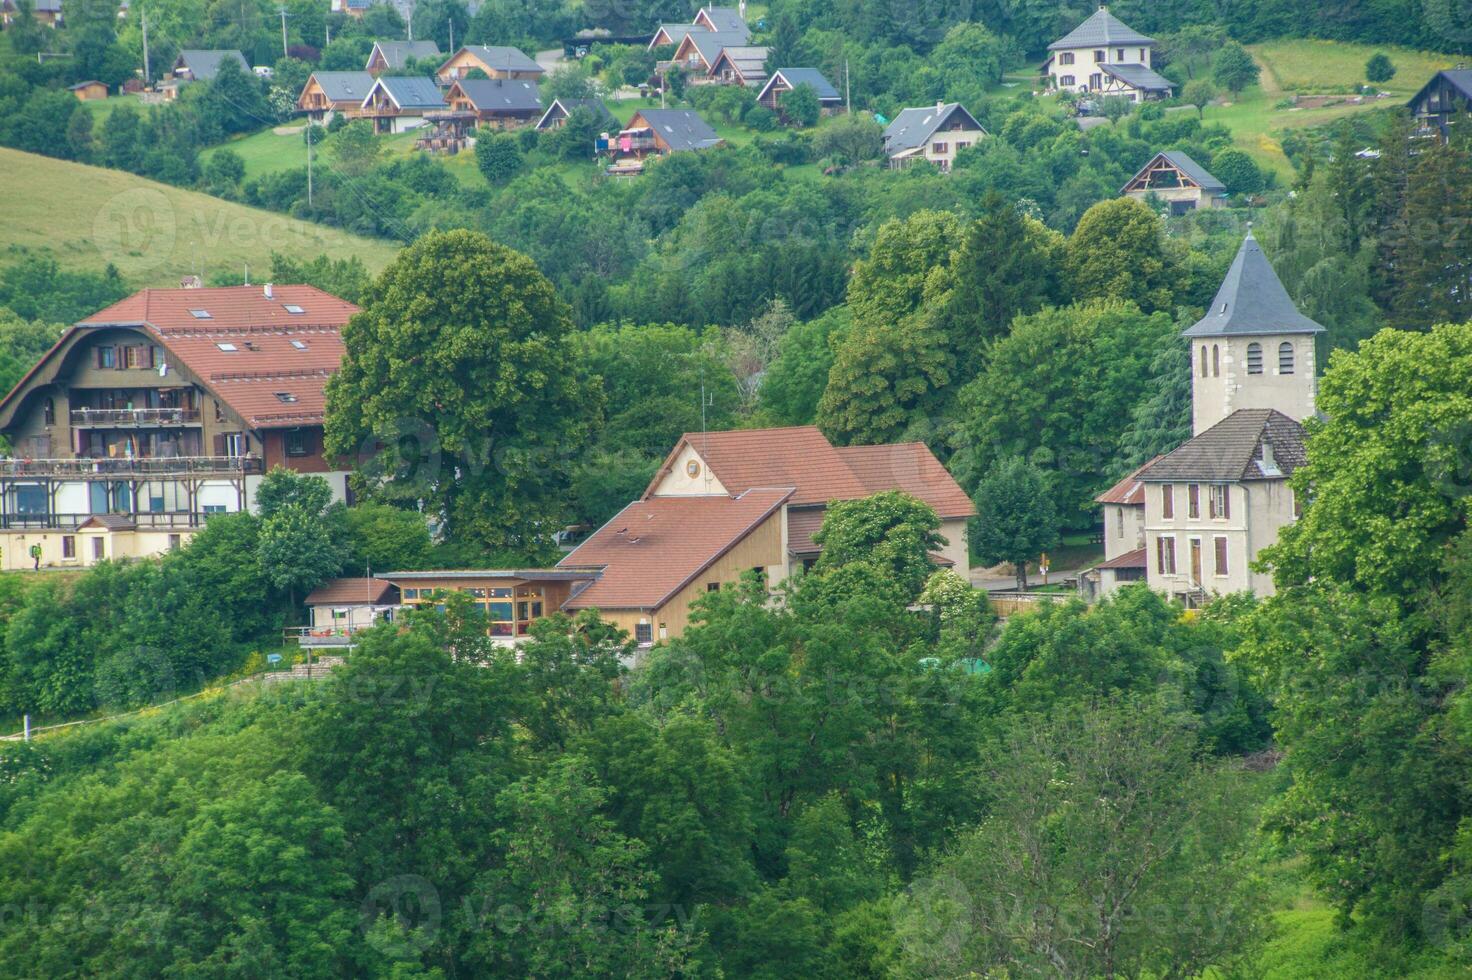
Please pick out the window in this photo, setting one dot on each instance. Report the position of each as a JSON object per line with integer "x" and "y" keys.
{"x": 99, "y": 548}
{"x": 200, "y": 314}
{"x": 1144, "y": 57}
{"x": 174, "y": 542}
{"x": 1101, "y": 55}
{"x": 234, "y": 444}
{"x": 294, "y": 310}
{"x": 1254, "y": 358}
{"x": 213, "y": 508}
{"x": 411, "y": 594}
{"x": 107, "y": 357}
{"x": 68, "y": 546}
{"x": 285, "y": 397}
{"x": 1203, "y": 360}
{"x": 227, "y": 348}
{"x": 1219, "y": 504}
{"x": 1119, "y": 53}
{"x": 1285, "y": 358}
{"x": 761, "y": 575}
{"x": 938, "y": 148}
{"x": 1167, "y": 501}
{"x": 138, "y": 357}
{"x": 643, "y": 634}
{"x": 712, "y": 586}
{"x": 1066, "y": 80}
{"x": 1066, "y": 58}
{"x": 296, "y": 443}
{"x": 1219, "y": 545}
{"x": 1216, "y": 361}
{"x": 1165, "y": 555}
{"x": 299, "y": 344}
{"x": 961, "y": 145}
{"x": 1119, "y": 521}
{"x": 48, "y": 412}
{"x": 1193, "y": 501}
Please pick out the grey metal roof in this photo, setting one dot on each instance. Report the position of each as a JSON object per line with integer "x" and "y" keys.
{"x": 506, "y": 94}
{"x": 1101, "y": 30}
{"x": 344, "y": 86}
{"x": 676, "y": 32}
{"x": 710, "y": 44}
{"x": 682, "y": 129}
{"x": 1232, "y": 451}
{"x": 502, "y": 58}
{"x": 913, "y": 127}
{"x": 1459, "y": 78}
{"x": 412, "y": 91}
{"x": 205, "y": 64}
{"x": 1140, "y": 77}
{"x": 750, "y": 61}
{"x": 395, "y": 53}
{"x": 1182, "y": 162}
{"x": 728, "y": 20}
{"x": 566, "y": 107}
{"x": 1251, "y": 301}
{"x": 807, "y": 76}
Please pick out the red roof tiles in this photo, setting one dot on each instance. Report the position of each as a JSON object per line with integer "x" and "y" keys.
{"x": 351, "y": 592}
{"x": 1129, "y": 491}
{"x": 1130, "y": 559}
{"x": 913, "y": 468}
{"x": 653, "y": 548}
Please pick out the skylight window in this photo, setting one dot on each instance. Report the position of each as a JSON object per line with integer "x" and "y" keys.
{"x": 227, "y": 348}
{"x": 285, "y": 397}
{"x": 201, "y": 314}
{"x": 294, "y": 309}
{"x": 299, "y": 344}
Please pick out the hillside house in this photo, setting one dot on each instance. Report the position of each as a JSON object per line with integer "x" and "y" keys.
{"x": 496, "y": 62}
{"x": 88, "y": 91}
{"x": 935, "y": 133}
{"x": 727, "y": 503}
{"x": 168, "y": 406}
{"x": 495, "y": 102}
{"x": 399, "y": 103}
{"x": 394, "y": 55}
{"x": 48, "y": 12}
{"x": 1178, "y": 181}
{"x": 1441, "y": 100}
{"x": 655, "y": 133}
{"x": 741, "y": 66}
{"x": 328, "y": 93}
{"x": 1104, "y": 57}
{"x": 784, "y": 80}
{"x": 713, "y": 20}
{"x": 195, "y": 65}
{"x": 1123, "y": 510}
{"x": 352, "y": 8}
{"x": 1213, "y": 503}
{"x": 558, "y": 112}
{"x": 696, "y": 55}
{"x": 341, "y": 607}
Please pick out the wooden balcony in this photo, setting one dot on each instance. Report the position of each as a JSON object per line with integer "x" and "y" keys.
{"x": 86, "y": 468}
{"x": 93, "y": 418}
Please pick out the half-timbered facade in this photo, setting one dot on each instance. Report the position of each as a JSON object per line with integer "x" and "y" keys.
{"x": 1178, "y": 181}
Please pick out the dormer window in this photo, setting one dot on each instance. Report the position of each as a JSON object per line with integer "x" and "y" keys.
{"x": 201, "y": 314}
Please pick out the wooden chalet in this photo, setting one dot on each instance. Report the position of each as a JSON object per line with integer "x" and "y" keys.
{"x": 500, "y": 103}
{"x": 399, "y": 103}
{"x": 784, "y": 80}
{"x": 394, "y": 55}
{"x": 496, "y": 62}
{"x": 88, "y": 91}
{"x": 558, "y": 112}
{"x": 328, "y": 93}
{"x": 655, "y": 133}
{"x": 1441, "y": 100}
{"x": 741, "y": 66}
{"x": 1174, "y": 178}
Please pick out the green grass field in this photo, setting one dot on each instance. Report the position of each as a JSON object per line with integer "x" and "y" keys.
{"x": 154, "y": 233}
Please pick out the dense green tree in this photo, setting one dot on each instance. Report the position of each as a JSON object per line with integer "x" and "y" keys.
{"x": 794, "y": 382}
{"x": 800, "y": 106}
{"x": 1118, "y": 251}
{"x": 498, "y": 156}
{"x": 1198, "y": 92}
{"x": 1016, "y": 519}
{"x": 459, "y": 381}
{"x": 1379, "y": 68}
{"x": 1233, "y": 69}
{"x": 381, "y": 538}
{"x": 1237, "y": 170}
{"x": 892, "y": 531}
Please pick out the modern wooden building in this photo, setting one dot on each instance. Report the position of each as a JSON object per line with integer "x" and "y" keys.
{"x": 512, "y": 599}
{"x": 496, "y": 62}
{"x": 399, "y": 103}
{"x": 655, "y": 133}
{"x": 164, "y": 408}
{"x": 560, "y": 110}
{"x": 394, "y": 55}
{"x": 88, "y": 91}
{"x": 784, "y": 80}
{"x": 328, "y": 93}
{"x": 202, "y": 65}
{"x": 1178, "y": 181}
{"x": 1441, "y": 100}
{"x": 499, "y": 103}
{"x": 741, "y": 65}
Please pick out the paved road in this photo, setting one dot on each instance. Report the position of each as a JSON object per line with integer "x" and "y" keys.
{"x": 549, "y": 60}
{"x": 1006, "y": 583}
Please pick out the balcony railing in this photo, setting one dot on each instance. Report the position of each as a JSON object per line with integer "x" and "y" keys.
{"x": 149, "y": 520}
{"x": 89, "y": 468}
{"x": 135, "y": 416}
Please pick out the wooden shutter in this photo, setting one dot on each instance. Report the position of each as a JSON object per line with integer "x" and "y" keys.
{"x": 1226, "y": 500}
{"x": 219, "y": 444}
{"x": 119, "y": 357}
{"x": 1220, "y": 545}
{"x": 1193, "y": 500}
{"x": 1167, "y": 500}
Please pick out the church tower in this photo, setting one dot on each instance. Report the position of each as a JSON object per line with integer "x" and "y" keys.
{"x": 1252, "y": 349}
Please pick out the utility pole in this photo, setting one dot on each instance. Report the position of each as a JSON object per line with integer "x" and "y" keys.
{"x": 310, "y": 138}
{"x": 283, "y": 33}
{"x": 146, "y": 78}
{"x": 848, "y": 103}
{"x": 452, "y": 35}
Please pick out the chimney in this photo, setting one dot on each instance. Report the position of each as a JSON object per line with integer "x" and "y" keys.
{"x": 190, "y": 282}
{"x": 267, "y": 290}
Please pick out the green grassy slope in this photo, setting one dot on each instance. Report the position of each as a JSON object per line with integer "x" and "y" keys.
{"x": 154, "y": 233}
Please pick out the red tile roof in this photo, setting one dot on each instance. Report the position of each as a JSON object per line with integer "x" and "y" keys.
{"x": 653, "y": 548}
{"x": 1129, "y": 491}
{"x": 802, "y": 457}
{"x": 1130, "y": 559}
{"x": 267, "y": 380}
{"x": 351, "y": 592}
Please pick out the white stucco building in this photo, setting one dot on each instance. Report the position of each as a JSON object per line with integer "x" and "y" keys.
{"x": 1104, "y": 56}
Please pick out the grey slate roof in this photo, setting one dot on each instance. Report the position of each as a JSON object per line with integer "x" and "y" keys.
{"x": 344, "y": 86}
{"x": 1232, "y": 451}
{"x": 205, "y": 65}
{"x": 505, "y": 94}
{"x": 566, "y": 107}
{"x": 1251, "y": 301}
{"x": 1182, "y": 161}
{"x": 682, "y": 129}
{"x": 1101, "y": 30}
{"x": 1140, "y": 77}
{"x": 728, "y": 20}
{"x": 398, "y": 52}
{"x": 502, "y": 58}
{"x": 914, "y": 127}
{"x": 807, "y": 76}
{"x": 412, "y": 91}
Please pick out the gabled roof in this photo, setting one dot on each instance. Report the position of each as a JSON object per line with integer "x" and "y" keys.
{"x": 504, "y": 94}
{"x": 205, "y": 64}
{"x": 499, "y": 57}
{"x": 82, "y": 85}
{"x": 803, "y": 76}
{"x": 396, "y": 53}
{"x": 675, "y": 32}
{"x": 1129, "y": 491}
{"x": 913, "y": 468}
{"x": 409, "y": 91}
{"x": 566, "y": 107}
{"x": 343, "y": 86}
{"x": 351, "y": 592}
{"x": 1251, "y": 301}
{"x": 654, "y": 547}
{"x": 1139, "y": 77}
{"x": 1232, "y": 451}
{"x": 1182, "y": 161}
{"x": 682, "y": 129}
{"x": 1100, "y": 30}
{"x": 1458, "y": 78}
{"x": 726, "y": 20}
{"x": 751, "y": 62}
{"x": 710, "y": 44}
{"x": 912, "y": 128}
{"x": 1130, "y": 559}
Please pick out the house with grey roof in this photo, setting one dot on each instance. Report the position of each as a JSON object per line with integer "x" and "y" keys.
{"x": 1213, "y": 503}
{"x": 195, "y": 65}
{"x": 784, "y": 80}
{"x": 561, "y": 110}
{"x": 741, "y": 66}
{"x": 1178, "y": 181}
{"x": 399, "y": 103}
{"x": 48, "y": 12}
{"x": 503, "y": 103}
{"x": 1103, "y": 56}
{"x": 655, "y": 133}
{"x": 1441, "y": 100}
{"x": 393, "y": 55}
{"x": 328, "y": 93}
{"x": 935, "y": 133}
{"x": 494, "y": 61}
{"x": 698, "y": 52}
{"x": 723, "y": 20}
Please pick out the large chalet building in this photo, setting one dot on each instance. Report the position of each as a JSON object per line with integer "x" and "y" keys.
{"x": 1192, "y": 522}
{"x": 1103, "y": 56}
{"x": 164, "y": 408}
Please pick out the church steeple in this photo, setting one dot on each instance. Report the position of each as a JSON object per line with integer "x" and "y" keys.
{"x": 1253, "y": 348}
